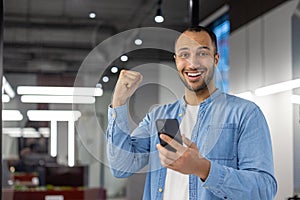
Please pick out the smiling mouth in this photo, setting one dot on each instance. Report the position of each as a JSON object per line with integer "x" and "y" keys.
{"x": 195, "y": 74}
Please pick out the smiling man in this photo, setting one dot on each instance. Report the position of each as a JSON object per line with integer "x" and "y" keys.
{"x": 226, "y": 151}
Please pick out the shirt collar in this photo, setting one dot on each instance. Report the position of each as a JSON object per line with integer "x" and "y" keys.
{"x": 212, "y": 97}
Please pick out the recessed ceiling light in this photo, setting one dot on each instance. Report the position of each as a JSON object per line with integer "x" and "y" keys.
{"x": 138, "y": 42}
{"x": 92, "y": 15}
{"x": 159, "y": 19}
{"x": 114, "y": 69}
{"x": 98, "y": 85}
{"x": 105, "y": 79}
{"x": 124, "y": 58}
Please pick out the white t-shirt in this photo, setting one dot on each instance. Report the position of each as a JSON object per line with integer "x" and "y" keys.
{"x": 177, "y": 184}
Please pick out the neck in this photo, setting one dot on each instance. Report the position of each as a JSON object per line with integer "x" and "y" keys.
{"x": 195, "y": 98}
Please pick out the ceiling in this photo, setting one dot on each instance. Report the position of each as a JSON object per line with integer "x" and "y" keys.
{"x": 42, "y": 36}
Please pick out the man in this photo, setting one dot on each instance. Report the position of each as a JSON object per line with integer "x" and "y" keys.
{"x": 227, "y": 151}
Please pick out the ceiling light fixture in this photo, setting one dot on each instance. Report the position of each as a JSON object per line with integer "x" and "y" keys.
{"x": 278, "y": 87}
{"x": 53, "y": 138}
{"x": 92, "y": 15}
{"x": 138, "y": 42}
{"x": 6, "y": 87}
{"x": 64, "y": 91}
{"x": 5, "y": 98}
{"x": 71, "y": 143}
{"x": 124, "y": 58}
{"x": 114, "y": 69}
{"x": 26, "y": 132}
{"x": 159, "y": 16}
{"x": 11, "y": 115}
{"x": 54, "y": 116}
{"x": 246, "y": 95}
{"x": 57, "y": 99}
{"x": 49, "y": 115}
{"x": 105, "y": 79}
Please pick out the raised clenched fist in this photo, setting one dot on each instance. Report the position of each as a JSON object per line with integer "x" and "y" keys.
{"x": 126, "y": 85}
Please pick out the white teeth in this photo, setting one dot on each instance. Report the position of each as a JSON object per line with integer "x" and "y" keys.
{"x": 194, "y": 74}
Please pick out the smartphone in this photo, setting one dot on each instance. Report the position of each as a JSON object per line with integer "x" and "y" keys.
{"x": 169, "y": 127}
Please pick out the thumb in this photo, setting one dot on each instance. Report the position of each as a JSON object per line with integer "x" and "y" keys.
{"x": 189, "y": 143}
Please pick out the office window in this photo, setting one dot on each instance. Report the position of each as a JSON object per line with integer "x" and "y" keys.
{"x": 221, "y": 27}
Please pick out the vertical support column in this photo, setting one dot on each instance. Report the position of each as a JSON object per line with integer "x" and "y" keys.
{"x": 194, "y": 12}
{"x": 1, "y": 74}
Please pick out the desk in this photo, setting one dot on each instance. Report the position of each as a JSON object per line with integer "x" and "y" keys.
{"x": 71, "y": 194}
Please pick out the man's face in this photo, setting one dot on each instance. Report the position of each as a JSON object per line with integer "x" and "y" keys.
{"x": 195, "y": 60}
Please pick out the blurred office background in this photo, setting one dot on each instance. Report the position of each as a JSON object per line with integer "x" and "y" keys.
{"x": 61, "y": 60}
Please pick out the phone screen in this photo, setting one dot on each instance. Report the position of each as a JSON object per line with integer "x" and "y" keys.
{"x": 169, "y": 127}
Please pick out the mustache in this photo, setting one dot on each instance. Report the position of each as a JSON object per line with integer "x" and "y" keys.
{"x": 199, "y": 69}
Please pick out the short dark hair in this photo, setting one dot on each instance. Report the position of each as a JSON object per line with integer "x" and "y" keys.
{"x": 211, "y": 34}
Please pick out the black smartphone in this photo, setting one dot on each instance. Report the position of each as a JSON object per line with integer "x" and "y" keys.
{"x": 169, "y": 127}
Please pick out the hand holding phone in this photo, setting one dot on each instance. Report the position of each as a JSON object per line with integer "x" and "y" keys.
{"x": 169, "y": 127}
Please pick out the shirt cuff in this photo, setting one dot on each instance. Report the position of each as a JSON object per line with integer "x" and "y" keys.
{"x": 120, "y": 111}
{"x": 118, "y": 116}
{"x": 215, "y": 178}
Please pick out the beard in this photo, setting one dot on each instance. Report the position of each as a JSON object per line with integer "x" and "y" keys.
{"x": 201, "y": 87}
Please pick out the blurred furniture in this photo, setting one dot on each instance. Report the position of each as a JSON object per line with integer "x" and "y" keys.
{"x": 67, "y": 194}
{"x": 42, "y": 178}
{"x": 294, "y": 198}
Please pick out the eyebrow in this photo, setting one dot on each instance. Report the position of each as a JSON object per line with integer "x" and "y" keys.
{"x": 183, "y": 49}
{"x": 199, "y": 48}
{"x": 203, "y": 47}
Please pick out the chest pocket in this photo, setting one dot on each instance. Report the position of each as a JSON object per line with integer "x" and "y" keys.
{"x": 221, "y": 142}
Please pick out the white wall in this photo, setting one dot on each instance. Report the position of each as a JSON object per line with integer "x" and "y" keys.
{"x": 260, "y": 55}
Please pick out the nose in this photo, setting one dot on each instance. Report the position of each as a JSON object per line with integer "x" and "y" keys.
{"x": 194, "y": 61}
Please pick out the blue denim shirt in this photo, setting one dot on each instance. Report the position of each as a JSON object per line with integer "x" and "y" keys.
{"x": 230, "y": 132}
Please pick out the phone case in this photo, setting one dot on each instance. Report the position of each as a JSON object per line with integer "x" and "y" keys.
{"x": 169, "y": 127}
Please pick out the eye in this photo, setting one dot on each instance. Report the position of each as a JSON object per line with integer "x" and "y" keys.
{"x": 183, "y": 55}
{"x": 203, "y": 53}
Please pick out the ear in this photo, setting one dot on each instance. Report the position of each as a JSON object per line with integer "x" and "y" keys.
{"x": 216, "y": 61}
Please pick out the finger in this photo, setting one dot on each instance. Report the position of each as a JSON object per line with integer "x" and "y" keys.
{"x": 166, "y": 152}
{"x": 133, "y": 75}
{"x": 131, "y": 79}
{"x": 173, "y": 143}
{"x": 129, "y": 72}
{"x": 189, "y": 143}
{"x": 167, "y": 157}
{"x": 133, "y": 82}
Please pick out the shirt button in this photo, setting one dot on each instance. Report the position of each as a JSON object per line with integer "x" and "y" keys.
{"x": 160, "y": 189}
{"x": 113, "y": 115}
{"x": 179, "y": 114}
